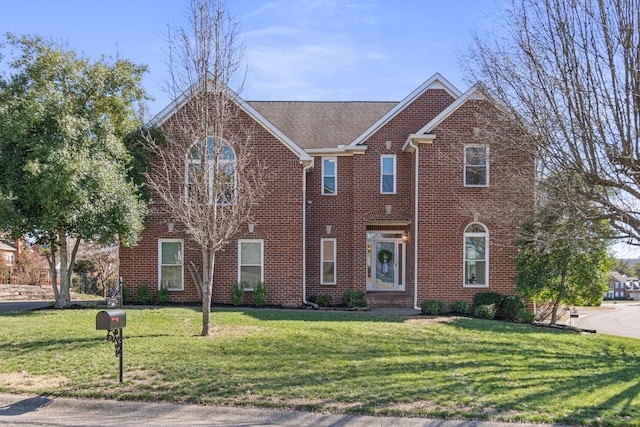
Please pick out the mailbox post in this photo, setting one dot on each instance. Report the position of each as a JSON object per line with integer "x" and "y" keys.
{"x": 113, "y": 321}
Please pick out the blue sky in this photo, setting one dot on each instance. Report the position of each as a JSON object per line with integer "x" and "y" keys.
{"x": 294, "y": 50}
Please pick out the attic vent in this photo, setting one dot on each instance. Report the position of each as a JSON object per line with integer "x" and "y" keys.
{"x": 293, "y": 163}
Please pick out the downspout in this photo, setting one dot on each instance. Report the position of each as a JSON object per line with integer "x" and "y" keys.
{"x": 415, "y": 227}
{"x": 305, "y": 303}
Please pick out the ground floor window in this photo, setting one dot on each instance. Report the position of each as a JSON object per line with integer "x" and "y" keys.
{"x": 170, "y": 271}
{"x": 328, "y": 261}
{"x": 476, "y": 256}
{"x": 250, "y": 262}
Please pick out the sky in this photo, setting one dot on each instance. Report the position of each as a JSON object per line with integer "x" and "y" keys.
{"x": 300, "y": 50}
{"x": 320, "y": 50}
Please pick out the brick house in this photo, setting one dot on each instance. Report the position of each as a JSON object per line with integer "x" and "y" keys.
{"x": 383, "y": 197}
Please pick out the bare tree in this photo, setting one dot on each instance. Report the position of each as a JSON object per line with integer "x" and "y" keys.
{"x": 570, "y": 71}
{"x": 204, "y": 174}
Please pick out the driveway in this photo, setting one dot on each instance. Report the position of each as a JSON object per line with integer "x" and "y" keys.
{"x": 8, "y": 306}
{"x": 622, "y": 319}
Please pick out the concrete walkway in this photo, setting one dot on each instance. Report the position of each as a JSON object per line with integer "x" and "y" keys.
{"x": 22, "y": 410}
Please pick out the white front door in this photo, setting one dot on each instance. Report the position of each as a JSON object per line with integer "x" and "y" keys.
{"x": 385, "y": 263}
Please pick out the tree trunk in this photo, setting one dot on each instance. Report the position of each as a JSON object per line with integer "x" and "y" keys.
{"x": 63, "y": 299}
{"x": 554, "y": 312}
{"x": 208, "y": 259}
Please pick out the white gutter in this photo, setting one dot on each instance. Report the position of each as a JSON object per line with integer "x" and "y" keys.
{"x": 305, "y": 303}
{"x": 415, "y": 227}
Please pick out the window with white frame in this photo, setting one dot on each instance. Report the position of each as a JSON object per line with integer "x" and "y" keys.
{"x": 10, "y": 258}
{"x": 328, "y": 261}
{"x": 170, "y": 261}
{"x": 476, "y": 166}
{"x": 210, "y": 173}
{"x": 329, "y": 175}
{"x": 476, "y": 256}
{"x": 250, "y": 262}
{"x": 388, "y": 174}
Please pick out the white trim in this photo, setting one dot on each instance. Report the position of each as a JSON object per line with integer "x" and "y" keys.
{"x": 395, "y": 173}
{"x": 335, "y": 175}
{"x": 240, "y": 241}
{"x": 186, "y": 96}
{"x": 486, "y": 159}
{"x": 335, "y": 260}
{"x": 473, "y": 93}
{"x": 434, "y": 82}
{"x": 484, "y": 234}
{"x": 180, "y": 263}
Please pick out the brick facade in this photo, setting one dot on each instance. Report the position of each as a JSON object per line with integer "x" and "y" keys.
{"x": 359, "y": 217}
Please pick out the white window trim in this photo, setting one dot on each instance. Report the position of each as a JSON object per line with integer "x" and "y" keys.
{"x": 395, "y": 174}
{"x": 486, "y": 148}
{"x": 160, "y": 242}
{"x": 335, "y": 261}
{"x": 486, "y": 256}
{"x": 335, "y": 176}
{"x": 240, "y": 241}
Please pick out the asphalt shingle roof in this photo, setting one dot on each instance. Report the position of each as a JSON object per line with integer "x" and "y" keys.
{"x": 313, "y": 125}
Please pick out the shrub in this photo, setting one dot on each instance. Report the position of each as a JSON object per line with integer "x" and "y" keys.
{"x": 163, "y": 294}
{"x": 323, "y": 300}
{"x": 485, "y": 311}
{"x": 460, "y": 307}
{"x": 260, "y": 294}
{"x": 354, "y": 299}
{"x": 510, "y": 306}
{"x": 525, "y": 316}
{"x": 144, "y": 294}
{"x": 237, "y": 293}
{"x": 125, "y": 294}
{"x": 432, "y": 306}
{"x": 487, "y": 298}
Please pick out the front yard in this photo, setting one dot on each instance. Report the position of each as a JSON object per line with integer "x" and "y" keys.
{"x": 330, "y": 361}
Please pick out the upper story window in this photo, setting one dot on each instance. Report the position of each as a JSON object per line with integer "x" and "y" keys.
{"x": 476, "y": 166}
{"x": 210, "y": 173}
{"x": 388, "y": 174}
{"x": 329, "y": 175}
{"x": 10, "y": 258}
{"x": 476, "y": 257}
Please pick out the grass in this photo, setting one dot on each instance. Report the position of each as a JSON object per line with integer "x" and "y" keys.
{"x": 330, "y": 361}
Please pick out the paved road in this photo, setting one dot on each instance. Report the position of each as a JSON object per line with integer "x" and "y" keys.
{"x": 7, "y": 306}
{"x": 32, "y": 411}
{"x": 621, "y": 319}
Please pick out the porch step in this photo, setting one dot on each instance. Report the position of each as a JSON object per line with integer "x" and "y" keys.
{"x": 377, "y": 299}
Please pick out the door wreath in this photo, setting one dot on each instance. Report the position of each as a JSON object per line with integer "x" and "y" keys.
{"x": 385, "y": 256}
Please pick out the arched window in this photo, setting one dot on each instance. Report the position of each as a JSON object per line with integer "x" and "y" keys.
{"x": 476, "y": 256}
{"x": 210, "y": 177}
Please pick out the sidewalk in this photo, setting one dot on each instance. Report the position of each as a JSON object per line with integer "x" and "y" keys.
{"x": 23, "y": 410}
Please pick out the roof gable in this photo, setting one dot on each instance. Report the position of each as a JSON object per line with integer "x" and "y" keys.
{"x": 186, "y": 96}
{"x": 434, "y": 82}
{"x": 473, "y": 93}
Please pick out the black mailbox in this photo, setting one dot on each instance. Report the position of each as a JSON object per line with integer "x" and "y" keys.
{"x": 111, "y": 319}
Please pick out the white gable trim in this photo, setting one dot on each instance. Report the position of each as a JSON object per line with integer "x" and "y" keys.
{"x": 435, "y": 82}
{"x": 472, "y": 94}
{"x": 182, "y": 100}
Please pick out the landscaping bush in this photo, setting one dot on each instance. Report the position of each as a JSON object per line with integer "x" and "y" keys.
{"x": 260, "y": 294}
{"x": 144, "y": 294}
{"x": 125, "y": 294}
{"x": 485, "y": 311}
{"x": 460, "y": 307}
{"x": 237, "y": 293}
{"x": 487, "y": 298}
{"x": 323, "y": 300}
{"x": 354, "y": 299}
{"x": 510, "y": 306}
{"x": 163, "y": 294}
{"x": 524, "y": 316}
{"x": 432, "y": 307}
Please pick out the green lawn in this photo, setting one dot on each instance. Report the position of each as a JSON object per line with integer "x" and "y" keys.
{"x": 330, "y": 361}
